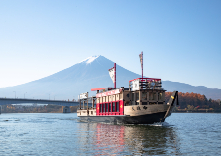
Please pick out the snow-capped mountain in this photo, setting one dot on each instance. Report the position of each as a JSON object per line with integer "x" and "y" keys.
{"x": 90, "y": 73}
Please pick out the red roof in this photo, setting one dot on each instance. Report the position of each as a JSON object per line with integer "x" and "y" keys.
{"x": 94, "y": 89}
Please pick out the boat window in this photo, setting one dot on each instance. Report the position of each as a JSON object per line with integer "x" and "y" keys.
{"x": 160, "y": 96}
{"x": 109, "y": 107}
{"x": 117, "y": 106}
{"x": 126, "y": 103}
{"x": 137, "y": 96}
{"x": 106, "y": 107}
{"x": 113, "y": 107}
{"x": 103, "y": 108}
{"x": 100, "y": 109}
{"x": 150, "y": 96}
{"x": 133, "y": 96}
{"x": 144, "y": 95}
{"x": 154, "y": 96}
{"x": 144, "y": 103}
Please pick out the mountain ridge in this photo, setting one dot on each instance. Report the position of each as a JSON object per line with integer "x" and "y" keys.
{"x": 91, "y": 73}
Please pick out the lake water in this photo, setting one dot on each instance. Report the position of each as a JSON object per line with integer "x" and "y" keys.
{"x": 63, "y": 134}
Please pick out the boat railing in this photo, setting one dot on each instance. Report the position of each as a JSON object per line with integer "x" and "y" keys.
{"x": 145, "y": 83}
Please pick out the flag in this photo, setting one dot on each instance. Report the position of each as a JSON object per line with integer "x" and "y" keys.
{"x": 141, "y": 59}
{"x": 141, "y": 62}
{"x": 111, "y": 73}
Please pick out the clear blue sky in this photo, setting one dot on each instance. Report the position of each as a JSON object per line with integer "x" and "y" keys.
{"x": 181, "y": 40}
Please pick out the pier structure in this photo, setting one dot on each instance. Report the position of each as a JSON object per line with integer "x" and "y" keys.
{"x": 66, "y": 109}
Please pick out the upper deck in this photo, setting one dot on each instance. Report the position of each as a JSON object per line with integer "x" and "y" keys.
{"x": 141, "y": 91}
{"x": 145, "y": 83}
{"x": 144, "y": 91}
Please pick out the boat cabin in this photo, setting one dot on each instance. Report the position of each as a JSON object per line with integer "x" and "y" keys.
{"x": 118, "y": 101}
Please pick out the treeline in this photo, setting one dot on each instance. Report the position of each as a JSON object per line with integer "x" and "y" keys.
{"x": 195, "y": 102}
{"x": 30, "y": 109}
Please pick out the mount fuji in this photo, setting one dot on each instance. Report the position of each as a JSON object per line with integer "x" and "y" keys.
{"x": 90, "y": 73}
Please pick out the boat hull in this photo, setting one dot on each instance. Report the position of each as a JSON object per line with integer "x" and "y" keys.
{"x": 122, "y": 119}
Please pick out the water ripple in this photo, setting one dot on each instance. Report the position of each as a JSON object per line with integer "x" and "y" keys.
{"x": 64, "y": 134}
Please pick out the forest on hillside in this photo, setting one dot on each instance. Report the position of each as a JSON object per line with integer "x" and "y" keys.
{"x": 194, "y": 102}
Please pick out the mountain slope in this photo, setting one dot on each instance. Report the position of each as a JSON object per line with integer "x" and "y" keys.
{"x": 90, "y": 73}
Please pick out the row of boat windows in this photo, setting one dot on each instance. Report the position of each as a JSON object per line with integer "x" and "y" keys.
{"x": 109, "y": 107}
{"x": 152, "y": 96}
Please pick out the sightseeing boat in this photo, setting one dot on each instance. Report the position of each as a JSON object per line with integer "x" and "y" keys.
{"x": 143, "y": 102}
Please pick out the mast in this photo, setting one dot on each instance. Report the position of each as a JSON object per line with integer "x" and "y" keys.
{"x": 142, "y": 64}
{"x": 115, "y": 75}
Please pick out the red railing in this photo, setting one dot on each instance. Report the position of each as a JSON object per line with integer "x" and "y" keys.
{"x": 103, "y": 109}
{"x": 147, "y": 79}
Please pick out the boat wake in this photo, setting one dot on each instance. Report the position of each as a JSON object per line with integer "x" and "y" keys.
{"x": 160, "y": 124}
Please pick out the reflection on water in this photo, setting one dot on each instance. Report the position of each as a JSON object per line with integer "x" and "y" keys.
{"x": 130, "y": 139}
{"x": 152, "y": 140}
{"x": 63, "y": 134}
{"x": 110, "y": 137}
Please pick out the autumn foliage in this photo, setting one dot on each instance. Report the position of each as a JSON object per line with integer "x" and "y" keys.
{"x": 195, "y": 102}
